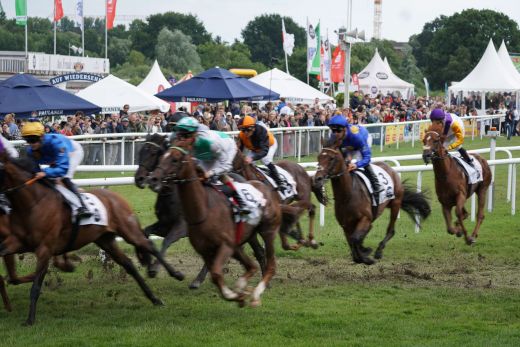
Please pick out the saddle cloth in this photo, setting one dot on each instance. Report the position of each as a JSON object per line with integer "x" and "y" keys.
{"x": 255, "y": 201}
{"x": 474, "y": 174}
{"x": 290, "y": 189}
{"x": 93, "y": 204}
{"x": 386, "y": 182}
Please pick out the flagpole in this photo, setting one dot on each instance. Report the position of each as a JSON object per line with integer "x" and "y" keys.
{"x": 83, "y": 36}
{"x": 54, "y": 27}
{"x": 307, "y": 51}
{"x": 106, "y": 30}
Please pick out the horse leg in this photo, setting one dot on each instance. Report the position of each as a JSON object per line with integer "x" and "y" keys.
{"x": 270, "y": 267}
{"x": 390, "y": 229}
{"x": 446, "y": 211}
{"x": 215, "y": 265}
{"x": 5, "y": 298}
{"x": 480, "y": 212}
{"x": 10, "y": 245}
{"x": 357, "y": 237}
{"x": 200, "y": 278}
{"x": 176, "y": 233}
{"x": 250, "y": 267}
{"x": 108, "y": 244}
{"x": 258, "y": 251}
{"x": 312, "y": 215}
{"x": 42, "y": 264}
{"x": 63, "y": 263}
{"x": 459, "y": 211}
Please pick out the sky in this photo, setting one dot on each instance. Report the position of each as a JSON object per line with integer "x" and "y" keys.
{"x": 227, "y": 18}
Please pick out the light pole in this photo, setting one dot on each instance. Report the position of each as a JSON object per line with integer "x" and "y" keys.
{"x": 345, "y": 39}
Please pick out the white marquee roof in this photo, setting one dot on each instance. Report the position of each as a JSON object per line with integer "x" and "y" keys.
{"x": 489, "y": 75}
{"x": 294, "y": 90}
{"x": 377, "y": 77}
{"x": 155, "y": 81}
{"x": 503, "y": 54}
{"x": 111, "y": 93}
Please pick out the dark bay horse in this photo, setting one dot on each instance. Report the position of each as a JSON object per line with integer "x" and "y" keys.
{"x": 40, "y": 223}
{"x": 301, "y": 202}
{"x": 353, "y": 202}
{"x": 451, "y": 184}
{"x": 211, "y": 228}
{"x": 171, "y": 224}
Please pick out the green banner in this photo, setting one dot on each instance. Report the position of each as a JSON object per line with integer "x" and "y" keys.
{"x": 315, "y": 65}
{"x": 21, "y": 12}
{"x": 515, "y": 57}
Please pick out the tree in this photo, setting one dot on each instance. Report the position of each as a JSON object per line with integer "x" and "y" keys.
{"x": 118, "y": 51}
{"x": 174, "y": 50}
{"x": 441, "y": 41}
{"x": 263, "y": 36}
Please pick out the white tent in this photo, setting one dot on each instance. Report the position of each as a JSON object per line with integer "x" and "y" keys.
{"x": 111, "y": 93}
{"x": 507, "y": 63}
{"x": 489, "y": 75}
{"x": 378, "y": 78}
{"x": 387, "y": 65}
{"x": 289, "y": 87}
{"x": 155, "y": 81}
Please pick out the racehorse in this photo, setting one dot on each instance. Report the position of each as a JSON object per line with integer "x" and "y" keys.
{"x": 211, "y": 225}
{"x": 41, "y": 224}
{"x": 302, "y": 200}
{"x": 451, "y": 184}
{"x": 170, "y": 218}
{"x": 353, "y": 202}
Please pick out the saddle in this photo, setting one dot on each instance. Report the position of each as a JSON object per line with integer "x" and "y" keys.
{"x": 385, "y": 181}
{"x": 473, "y": 173}
{"x": 288, "y": 190}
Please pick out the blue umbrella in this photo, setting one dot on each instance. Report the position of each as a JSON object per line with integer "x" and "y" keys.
{"x": 216, "y": 85}
{"x": 23, "y": 94}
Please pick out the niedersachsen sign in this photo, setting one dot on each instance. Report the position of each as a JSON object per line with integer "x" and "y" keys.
{"x": 77, "y": 76}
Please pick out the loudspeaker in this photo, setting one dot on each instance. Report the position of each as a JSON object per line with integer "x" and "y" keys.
{"x": 361, "y": 35}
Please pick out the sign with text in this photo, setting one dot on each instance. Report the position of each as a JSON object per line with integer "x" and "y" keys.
{"x": 75, "y": 77}
{"x": 66, "y": 64}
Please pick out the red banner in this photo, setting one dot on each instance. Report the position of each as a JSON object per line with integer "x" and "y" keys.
{"x": 111, "y": 13}
{"x": 355, "y": 79}
{"x": 338, "y": 65}
{"x": 58, "y": 10}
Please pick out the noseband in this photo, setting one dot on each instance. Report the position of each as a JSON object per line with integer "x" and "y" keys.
{"x": 334, "y": 156}
{"x": 435, "y": 152}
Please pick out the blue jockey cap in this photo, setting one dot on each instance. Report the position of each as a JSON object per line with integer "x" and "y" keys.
{"x": 338, "y": 121}
{"x": 437, "y": 114}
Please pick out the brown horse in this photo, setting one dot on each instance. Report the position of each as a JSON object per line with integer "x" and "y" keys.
{"x": 211, "y": 228}
{"x": 301, "y": 202}
{"x": 9, "y": 263}
{"x": 353, "y": 202}
{"x": 40, "y": 223}
{"x": 451, "y": 184}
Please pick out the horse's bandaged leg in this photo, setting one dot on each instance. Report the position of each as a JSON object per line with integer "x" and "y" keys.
{"x": 228, "y": 294}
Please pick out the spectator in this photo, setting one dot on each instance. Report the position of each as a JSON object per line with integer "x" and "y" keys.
{"x": 14, "y": 131}
{"x": 135, "y": 125}
{"x": 124, "y": 111}
{"x": 154, "y": 125}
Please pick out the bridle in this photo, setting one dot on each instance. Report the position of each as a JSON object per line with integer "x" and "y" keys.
{"x": 172, "y": 177}
{"x": 334, "y": 154}
{"x": 150, "y": 168}
{"x": 435, "y": 153}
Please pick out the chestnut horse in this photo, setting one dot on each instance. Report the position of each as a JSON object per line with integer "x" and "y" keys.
{"x": 211, "y": 227}
{"x": 301, "y": 202}
{"x": 170, "y": 219}
{"x": 40, "y": 223}
{"x": 353, "y": 202}
{"x": 451, "y": 184}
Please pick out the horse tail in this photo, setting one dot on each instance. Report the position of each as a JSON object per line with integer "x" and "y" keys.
{"x": 415, "y": 203}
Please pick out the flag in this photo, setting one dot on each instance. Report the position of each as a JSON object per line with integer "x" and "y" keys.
{"x": 21, "y": 12}
{"x": 325, "y": 62}
{"x": 313, "y": 46}
{"x": 58, "y": 10}
{"x": 337, "y": 68}
{"x": 111, "y": 13}
{"x": 288, "y": 40}
{"x": 79, "y": 14}
{"x": 427, "y": 86}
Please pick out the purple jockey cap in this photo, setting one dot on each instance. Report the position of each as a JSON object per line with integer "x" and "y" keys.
{"x": 437, "y": 114}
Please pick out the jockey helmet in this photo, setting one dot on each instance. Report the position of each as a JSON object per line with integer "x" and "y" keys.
{"x": 437, "y": 114}
{"x": 338, "y": 121}
{"x": 33, "y": 129}
{"x": 187, "y": 125}
{"x": 246, "y": 122}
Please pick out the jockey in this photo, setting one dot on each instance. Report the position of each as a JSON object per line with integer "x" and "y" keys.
{"x": 62, "y": 154}
{"x": 215, "y": 151}
{"x": 354, "y": 140}
{"x": 453, "y": 129}
{"x": 261, "y": 144}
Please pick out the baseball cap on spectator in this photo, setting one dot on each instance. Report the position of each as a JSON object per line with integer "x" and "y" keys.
{"x": 125, "y": 119}
{"x": 236, "y": 116}
{"x": 228, "y": 114}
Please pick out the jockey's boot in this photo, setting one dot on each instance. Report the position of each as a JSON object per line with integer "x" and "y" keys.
{"x": 465, "y": 156}
{"x": 242, "y": 207}
{"x": 83, "y": 212}
{"x": 374, "y": 182}
{"x": 273, "y": 172}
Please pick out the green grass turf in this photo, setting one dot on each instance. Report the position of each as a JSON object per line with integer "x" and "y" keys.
{"x": 430, "y": 289}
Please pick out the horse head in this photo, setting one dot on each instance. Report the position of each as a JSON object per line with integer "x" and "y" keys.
{"x": 330, "y": 165}
{"x": 432, "y": 146}
{"x": 174, "y": 167}
{"x": 148, "y": 157}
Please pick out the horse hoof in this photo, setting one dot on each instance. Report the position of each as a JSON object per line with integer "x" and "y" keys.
{"x": 194, "y": 285}
{"x": 368, "y": 261}
{"x": 157, "y": 302}
{"x": 459, "y": 234}
{"x": 152, "y": 273}
{"x": 14, "y": 282}
{"x": 28, "y": 323}
{"x": 378, "y": 255}
{"x": 256, "y": 303}
{"x": 178, "y": 275}
{"x": 471, "y": 241}
{"x": 314, "y": 244}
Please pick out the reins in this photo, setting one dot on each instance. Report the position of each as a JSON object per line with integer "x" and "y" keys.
{"x": 18, "y": 187}
{"x": 329, "y": 174}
